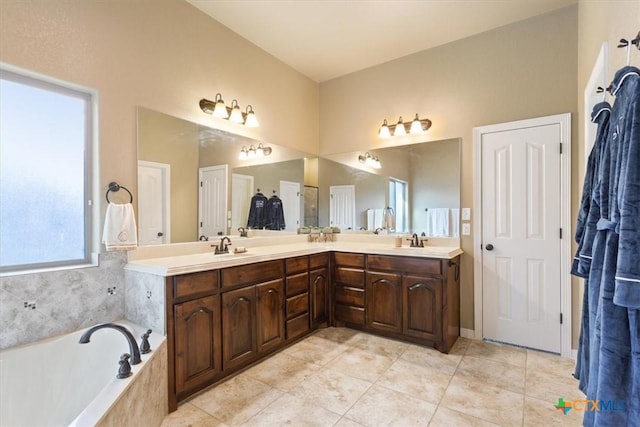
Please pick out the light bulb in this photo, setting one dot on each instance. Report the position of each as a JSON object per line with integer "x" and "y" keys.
{"x": 399, "y": 130}
{"x": 260, "y": 151}
{"x": 416, "y": 126}
{"x": 220, "y": 110}
{"x": 236, "y": 114}
{"x": 384, "y": 130}
{"x": 251, "y": 121}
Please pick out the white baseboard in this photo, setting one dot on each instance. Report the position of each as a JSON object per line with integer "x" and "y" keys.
{"x": 467, "y": 333}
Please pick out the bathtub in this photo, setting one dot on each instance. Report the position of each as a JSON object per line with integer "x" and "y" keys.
{"x": 59, "y": 382}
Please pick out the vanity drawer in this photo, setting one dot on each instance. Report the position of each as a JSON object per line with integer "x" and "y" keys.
{"x": 349, "y": 276}
{"x": 297, "y": 284}
{"x": 349, "y": 314}
{"x": 318, "y": 261}
{"x": 252, "y": 273}
{"x": 192, "y": 284}
{"x": 297, "y": 326}
{"x": 297, "y": 264}
{"x": 349, "y": 296}
{"x": 297, "y": 305}
{"x": 407, "y": 265}
{"x": 345, "y": 259}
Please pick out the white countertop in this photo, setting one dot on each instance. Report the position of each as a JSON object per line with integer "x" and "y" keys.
{"x": 191, "y": 263}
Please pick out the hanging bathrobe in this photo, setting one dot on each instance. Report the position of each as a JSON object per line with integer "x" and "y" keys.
{"x": 588, "y": 216}
{"x": 610, "y": 348}
{"x": 627, "y": 278}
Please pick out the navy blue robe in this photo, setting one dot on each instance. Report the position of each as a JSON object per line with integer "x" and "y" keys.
{"x": 611, "y": 376}
{"x": 588, "y": 216}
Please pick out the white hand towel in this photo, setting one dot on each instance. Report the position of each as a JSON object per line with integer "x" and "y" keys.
{"x": 455, "y": 222}
{"x": 120, "y": 233}
{"x": 438, "y": 222}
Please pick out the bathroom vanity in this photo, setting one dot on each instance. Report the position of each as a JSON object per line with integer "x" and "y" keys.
{"x": 224, "y": 313}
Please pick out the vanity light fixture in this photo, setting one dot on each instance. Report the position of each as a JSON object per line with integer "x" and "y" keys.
{"x": 234, "y": 114}
{"x": 417, "y": 125}
{"x": 253, "y": 152}
{"x": 370, "y": 160}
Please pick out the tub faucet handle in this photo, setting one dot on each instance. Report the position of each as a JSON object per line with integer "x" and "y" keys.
{"x": 125, "y": 367}
{"x": 145, "y": 347}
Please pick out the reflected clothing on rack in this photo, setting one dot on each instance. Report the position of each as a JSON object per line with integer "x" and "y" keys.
{"x": 588, "y": 216}
{"x": 614, "y": 369}
{"x": 257, "y": 211}
{"x": 275, "y": 214}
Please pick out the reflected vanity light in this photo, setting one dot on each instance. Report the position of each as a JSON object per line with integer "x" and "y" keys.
{"x": 417, "y": 125}
{"x": 254, "y": 152}
{"x": 219, "y": 109}
{"x": 370, "y": 160}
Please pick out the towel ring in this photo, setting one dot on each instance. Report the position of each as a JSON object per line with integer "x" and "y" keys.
{"x": 114, "y": 186}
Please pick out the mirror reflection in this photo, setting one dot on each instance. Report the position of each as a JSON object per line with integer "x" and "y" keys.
{"x": 192, "y": 184}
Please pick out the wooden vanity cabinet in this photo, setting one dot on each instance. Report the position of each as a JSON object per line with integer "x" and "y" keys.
{"x": 414, "y": 298}
{"x": 349, "y": 289}
{"x": 193, "y": 332}
{"x": 319, "y": 284}
{"x": 253, "y": 314}
{"x": 297, "y": 293}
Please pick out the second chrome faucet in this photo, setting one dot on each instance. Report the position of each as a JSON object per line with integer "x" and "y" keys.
{"x": 223, "y": 246}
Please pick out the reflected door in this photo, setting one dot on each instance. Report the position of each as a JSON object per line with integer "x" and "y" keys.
{"x": 521, "y": 236}
{"x": 342, "y": 206}
{"x": 153, "y": 203}
{"x": 241, "y": 192}
{"x": 213, "y": 201}
{"x": 290, "y": 196}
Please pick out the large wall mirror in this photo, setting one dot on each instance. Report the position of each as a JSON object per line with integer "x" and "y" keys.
{"x": 192, "y": 183}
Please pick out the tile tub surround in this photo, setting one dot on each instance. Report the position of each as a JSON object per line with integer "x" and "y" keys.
{"x": 66, "y": 301}
{"x": 307, "y": 384}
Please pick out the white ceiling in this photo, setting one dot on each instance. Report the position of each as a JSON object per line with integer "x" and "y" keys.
{"x": 330, "y": 38}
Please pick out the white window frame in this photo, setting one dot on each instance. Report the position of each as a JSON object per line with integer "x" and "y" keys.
{"x": 91, "y": 170}
{"x": 405, "y": 213}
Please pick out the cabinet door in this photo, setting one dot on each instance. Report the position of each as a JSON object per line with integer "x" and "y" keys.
{"x": 198, "y": 347}
{"x": 270, "y": 314}
{"x": 422, "y": 307}
{"x": 238, "y": 326}
{"x": 319, "y": 296}
{"x": 384, "y": 304}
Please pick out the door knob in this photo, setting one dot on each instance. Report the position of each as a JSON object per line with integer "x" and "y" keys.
{"x": 489, "y": 247}
{"x": 160, "y": 234}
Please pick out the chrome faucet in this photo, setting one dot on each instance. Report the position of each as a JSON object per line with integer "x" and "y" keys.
{"x": 377, "y": 231}
{"x": 243, "y": 232}
{"x": 133, "y": 345}
{"x": 222, "y": 247}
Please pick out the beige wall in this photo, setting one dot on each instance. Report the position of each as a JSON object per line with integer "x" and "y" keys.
{"x": 524, "y": 70}
{"x": 162, "y": 54}
{"x": 600, "y": 22}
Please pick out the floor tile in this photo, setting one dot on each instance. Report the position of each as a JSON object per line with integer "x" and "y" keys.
{"x": 346, "y": 422}
{"x": 544, "y": 386}
{"x": 381, "y": 406}
{"x": 502, "y": 375}
{"x": 236, "y": 400}
{"x": 361, "y": 364}
{"x": 282, "y": 371}
{"x": 380, "y": 346}
{"x": 498, "y": 352}
{"x": 294, "y": 411}
{"x": 189, "y": 415}
{"x": 339, "y": 335}
{"x": 316, "y": 349}
{"x": 421, "y": 382}
{"x": 460, "y": 347}
{"x": 484, "y": 401}
{"x": 550, "y": 363}
{"x": 445, "y": 417}
{"x": 544, "y": 413}
{"x": 424, "y": 356}
{"x": 332, "y": 390}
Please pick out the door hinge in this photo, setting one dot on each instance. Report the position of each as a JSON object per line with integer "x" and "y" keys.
{"x": 561, "y": 318}
{"x": 561, "y": 233}
{"x": 561, "y": 148}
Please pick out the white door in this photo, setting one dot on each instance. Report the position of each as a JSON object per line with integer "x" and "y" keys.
{"x": 290, "y": 196}
{"x": 212, "y": 203}
{"x": 342, "y": 206}
{"x": 241, "y": 193}
{"x": 154, "y": 189}
{"x": 521, "y": 220}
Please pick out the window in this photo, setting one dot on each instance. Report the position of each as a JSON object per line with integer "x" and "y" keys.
{"x": 46, "y": 140}
{"x": 398, "y": 200}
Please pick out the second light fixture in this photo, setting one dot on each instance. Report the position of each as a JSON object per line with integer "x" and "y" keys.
{"x": 417, "y": 125}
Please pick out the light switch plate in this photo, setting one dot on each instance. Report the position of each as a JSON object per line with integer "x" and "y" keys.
{"x": 466, "y": 214}
{"x": 466, "y": 229}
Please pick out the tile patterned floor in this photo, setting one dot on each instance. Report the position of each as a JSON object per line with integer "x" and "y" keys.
{"x": 346, "y": 378}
